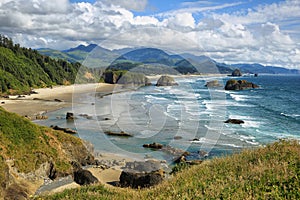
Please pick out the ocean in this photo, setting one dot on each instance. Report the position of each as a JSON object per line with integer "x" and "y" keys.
{"x": 189, "y": 117}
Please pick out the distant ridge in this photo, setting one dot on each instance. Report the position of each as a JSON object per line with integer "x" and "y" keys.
{"x": 81, "y": 47}
{"x": 151, "y": 57}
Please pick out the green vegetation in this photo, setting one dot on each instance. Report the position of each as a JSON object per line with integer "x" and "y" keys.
{"x": 272, "y": 172}
{"x": 22, "y": 69}
{"x": 24, "y": 146}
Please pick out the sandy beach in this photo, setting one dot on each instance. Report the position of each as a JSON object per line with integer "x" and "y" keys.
{"x": 51, "y": 99}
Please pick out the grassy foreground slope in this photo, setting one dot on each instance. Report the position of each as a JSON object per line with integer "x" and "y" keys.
{"x": 272, "y": 172}
{"x": 29, "y": 153}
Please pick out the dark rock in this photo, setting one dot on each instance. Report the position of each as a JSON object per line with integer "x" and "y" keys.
{"x": 181, "y": 159}
{"x": 86, "y": 116}
{"x": 234, "y": 121}
{"x": 121, "y": 134}
{"x": 142, "y": 174}
{"x": 3, "y": 102}
{"x": 58, "y": 100}
{"x": 236, "y": 72}
{"x": 214, "y": 83}
{"x": 153, "y": 146}
{"x": 123, "y": 77}
{"x": 70, "y": 116}
{"x": 239, "y": 85}
{"x": 140, "y": 180}
{"x": 84, "y": 177}
{"x": 196, "y": 139}
{"x": 66, "y": 130}
{"x": 255, "y": 75}
{"x": 166, "y": 81}
{"x": 177, "y": 138}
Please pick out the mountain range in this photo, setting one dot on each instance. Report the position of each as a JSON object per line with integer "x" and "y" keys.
{"x": 155, "y": 61}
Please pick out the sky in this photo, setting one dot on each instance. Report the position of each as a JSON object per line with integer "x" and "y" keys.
{"x": 243, "y": 31}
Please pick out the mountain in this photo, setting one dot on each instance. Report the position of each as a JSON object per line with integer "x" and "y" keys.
{"x": 258, "y": 68}
{"x": 92, "y": 56}
{"x": 155, "y": 61}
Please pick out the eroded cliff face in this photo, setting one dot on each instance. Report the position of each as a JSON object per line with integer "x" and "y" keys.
{"x": 30, "y": 154}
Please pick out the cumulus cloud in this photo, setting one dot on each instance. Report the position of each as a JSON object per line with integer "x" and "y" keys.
{"x": 267, "y": 34}
{"x": 135, "y": 5}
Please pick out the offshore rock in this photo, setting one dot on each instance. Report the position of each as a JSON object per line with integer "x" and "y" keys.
{"x": 234, "y": 121}
{"x": 166, "y": 81}
{"x": 239, "y": 85}
{"x": 236, "y": 72}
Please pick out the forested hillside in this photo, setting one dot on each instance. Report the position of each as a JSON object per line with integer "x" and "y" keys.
{"x": 22, "y": 69}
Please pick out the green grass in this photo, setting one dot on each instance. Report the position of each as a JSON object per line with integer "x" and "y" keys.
{"x": 272, "y": 172}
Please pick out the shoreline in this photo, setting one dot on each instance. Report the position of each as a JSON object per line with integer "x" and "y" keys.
{"x": 59, "y": 97}
{"x": 51, "y": 99}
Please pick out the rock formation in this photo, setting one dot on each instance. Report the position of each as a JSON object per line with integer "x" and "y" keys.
{"x": 166, "y": 81}
{"x": 70, "y": 116}
{"x": 214, "y": 83}
{"x": 234, "y": 121}
{"x": 124, "y": 77}
{"x": 142, "y": 174}
{"x": 236, "y": 72}
{"x": 239, "y": 85}
{"x": 66, "y": 130}
{"x": 84, "y": 177}
{"x": 121, "y": 134}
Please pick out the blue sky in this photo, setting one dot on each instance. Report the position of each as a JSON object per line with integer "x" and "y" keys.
{"x": 251, "y": 31}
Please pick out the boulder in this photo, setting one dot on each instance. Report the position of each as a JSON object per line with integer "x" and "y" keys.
{"x": 166, "y": 81}
{"x": 84, "y": 177}
{"x": 236, "y": 72}
{"x": 214, "y": 83}
{"x": 70, "y": 116}
{"x": 66, "y": 130}
{"x": 234, "y": 121}
{"x": 153, "y": 146}
{"x": 121, "y": 134}
{"x": 142, "y": 174}
{"x": 239, "y": 85}
{"x": 140, "y": 180}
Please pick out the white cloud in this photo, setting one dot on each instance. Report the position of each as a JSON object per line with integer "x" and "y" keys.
{"x": 135, "y": 5}
{"x": 268, "y": 34}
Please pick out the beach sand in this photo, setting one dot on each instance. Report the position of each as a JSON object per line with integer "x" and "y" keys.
{"x": 51, "y": 99}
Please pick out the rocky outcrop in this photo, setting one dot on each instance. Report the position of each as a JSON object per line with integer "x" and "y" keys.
{"x": 84, "y": 177}
{"x": 121, "y": 134}
{"x": 166, "y": 81}
{"x": 142, "y": 174}
{"x": 239, "y": 85}
{"x": 140, "y": 180}
{"x": 66, "y": 130}
{"x": 234, "y": 121}
{"x": 125, "y": 77}
{"x": 70, "y": 116}
{"x": 174, "y": 152}
{"x": 236, "y": 72}
{"x": 214, "y": 83}
{"x": 153, "y": 146}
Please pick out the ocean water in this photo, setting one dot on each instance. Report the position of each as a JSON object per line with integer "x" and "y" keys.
{"x": 189, "y": 117}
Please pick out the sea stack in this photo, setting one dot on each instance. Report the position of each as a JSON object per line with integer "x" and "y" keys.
{"x": 239, "y": 85}
{"x": 166, "y": 81}
{"x": 236, "y": 72}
